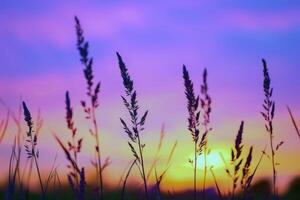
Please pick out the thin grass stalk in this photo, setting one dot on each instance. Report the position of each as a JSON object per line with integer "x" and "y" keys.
{"x": 172, "y": 153}
{"x": 204, "y": 174}
{"x": 124, "y": 172}
{"x": 3, "y": 126}
{"x": 159, "y": 178}
{"x": 246, "y": 168}
{"x": 205, "y": 102}
{"x": 39, "y": 125}
{"x": 268, "y": 115}
{"x": 195, "y": 169}
{"x": 193, "y": 119}
{"x": 56, "y": 175}
{"x": 236, "y": 158}
{"x": 142, "y": 166}
{"x": 17, "y": 121}
{"x": 31, "y": 150}
{"x": 156, "y": 158}
{"x": 30, "y": 163}
{"x": 29, "y": 174}
{"x": 98, "y": 152}
{"x": 75, "y": 144}
{"x": 19, "y": 170}
{"x": 131, "y": 104}
{"x": 39, "y": 175}
{"x": 250, "y": 178}
{"x": 157, "y": 185}
{"x": 92, "y": 93}
{"x": 294, "y": 122}
{"x": 273, "y": 166}
{"x": 79, "y": 190}
{"x": 216, "y": 183}
{"x": 54, "y": 184}
{"x": 126, "y": 178}
{"x": 51, "y": 174}
{"x": 13, "y": 168}
{"x": 4, "y": 122}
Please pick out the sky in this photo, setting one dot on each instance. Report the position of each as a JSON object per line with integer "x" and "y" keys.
{"x": 40, "y": 62}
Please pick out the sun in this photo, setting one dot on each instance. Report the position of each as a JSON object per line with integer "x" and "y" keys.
{"x": 213, "y": 159}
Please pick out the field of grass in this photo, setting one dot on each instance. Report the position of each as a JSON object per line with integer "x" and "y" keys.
{"x": 240, "y": 168}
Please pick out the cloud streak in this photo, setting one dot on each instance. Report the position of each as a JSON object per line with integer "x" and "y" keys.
{"x": 53, "y": 25}
{"x": 261, "y": 21}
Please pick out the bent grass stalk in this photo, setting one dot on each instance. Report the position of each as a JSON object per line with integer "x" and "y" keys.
{"x": 51, "y": 174}
{"x": 159, "y": 178}
{"x": 14, "y": 168}
{"x": 250, "y": 178}
{"x": 216, "y": 182}
{"x": 294, "y": 122}
{"x": 3, "y": 126}
{"x": 156, "y": 157}
{"x": 15, "y": 155}
{"x": 126, "y": 178}
{"x": 4, "y": 122}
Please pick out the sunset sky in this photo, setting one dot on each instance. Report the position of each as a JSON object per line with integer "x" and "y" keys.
{"x": 40, "y": 62}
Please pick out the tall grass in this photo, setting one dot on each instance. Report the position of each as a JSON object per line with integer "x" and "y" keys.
{"x": 76, "y": 175}
{"x": 75, "y": 143}
{"x": 137, "y": 122}
{"x": 13, "y": 170}
{"x": 90, "y": 108}
{"x": 240, "y": 170}
{"x": 18, "y": 143}
{"x": 247, "y": 176}
{"x": 31, "y": 145}
{"x": 246, "y": 168}
{"x": 205, "y": 102}
{"x": 194, "y": 122}
{"x": 159, "y": 176}
{"x": 236, "y": 157}
{"x": 126, "y": 178}
{"x": 268, "y": 115}
{"x": 193, "y": 119}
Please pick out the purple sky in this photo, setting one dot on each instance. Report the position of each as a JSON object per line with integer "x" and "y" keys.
{"x": 39, "y": 62}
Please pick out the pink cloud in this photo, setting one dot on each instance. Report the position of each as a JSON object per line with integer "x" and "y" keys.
{"x": 57, "y": 26}
{"x": 44, "y": 91}
{"x": 260, "y": 21}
